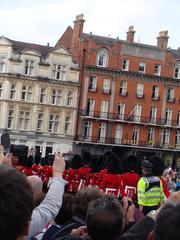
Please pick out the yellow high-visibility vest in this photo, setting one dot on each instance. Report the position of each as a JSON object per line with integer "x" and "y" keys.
{"x": 150, "y": 191}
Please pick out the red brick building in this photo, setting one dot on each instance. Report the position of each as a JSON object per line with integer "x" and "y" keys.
{"x": 130, "y": 93}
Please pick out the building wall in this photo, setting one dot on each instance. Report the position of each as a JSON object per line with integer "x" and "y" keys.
{"x": 119, "y": 50}
{"x": 23, "y": 129}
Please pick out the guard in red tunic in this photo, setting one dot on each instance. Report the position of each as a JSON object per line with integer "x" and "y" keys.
{"x": 130, "y": 177}
{"x": 113, "y": 178}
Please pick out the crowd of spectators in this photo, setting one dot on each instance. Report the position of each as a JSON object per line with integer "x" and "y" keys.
{"x": 93, "y": 198}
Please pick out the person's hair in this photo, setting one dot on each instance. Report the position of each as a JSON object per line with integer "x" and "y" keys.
{"x": 167, "y": 224}
{"x": 65, "y": 212}
{"x": 104, "y": 218}
{"x": 83, "y": 198}
{"x": 158, "y": 165}
{"x": 16, "y": 203}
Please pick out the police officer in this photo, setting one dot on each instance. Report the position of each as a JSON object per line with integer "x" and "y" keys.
{"x": 149, "y": 189}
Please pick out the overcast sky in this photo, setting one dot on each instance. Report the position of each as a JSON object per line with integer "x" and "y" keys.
{"x": 42, "y": 21}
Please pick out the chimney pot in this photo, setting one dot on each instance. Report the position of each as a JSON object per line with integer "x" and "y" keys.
{"x": 79, "y": 17}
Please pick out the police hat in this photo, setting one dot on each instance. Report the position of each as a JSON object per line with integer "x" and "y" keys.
{"x": 146, "y": 164}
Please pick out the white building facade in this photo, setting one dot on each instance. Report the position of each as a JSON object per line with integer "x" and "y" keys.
{"x": 39, "y": 88}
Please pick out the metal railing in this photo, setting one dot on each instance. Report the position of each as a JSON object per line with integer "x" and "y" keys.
{"x": 129, "y": 118}
{"x": 125, "y": 142}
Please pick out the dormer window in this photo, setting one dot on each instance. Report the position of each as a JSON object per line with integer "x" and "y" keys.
{"x": 177, "y": 70}
{"x": 102, "y": 57}
{"x": 2, "y": 63}
{"x": 142, "y": 66}
{"x": 59, "y": 71}
{"x": 125, "y": 64}
{"x": 157, "y": 69}
{"x": 29, "y": 66}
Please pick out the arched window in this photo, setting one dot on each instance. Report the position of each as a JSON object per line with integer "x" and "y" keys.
{"x": 102, "y": 57}
{"x": 177, "y": 70}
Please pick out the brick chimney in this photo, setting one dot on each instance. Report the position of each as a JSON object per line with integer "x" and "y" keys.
{"x": 162, "y": 40}
{"x": 78, "y": 29}
{"x": 130, "y": 34}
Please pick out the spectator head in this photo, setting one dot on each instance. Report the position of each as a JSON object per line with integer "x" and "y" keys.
{"x": 105, "y": 218}
{"x": 65, "y": 212}
{"x": 158, "y": 165}
{"x": 36, "y": 185}
{"x": 83, "y": 198}
{"x": 167, "y": 225}
{"x": 16, "y": 203}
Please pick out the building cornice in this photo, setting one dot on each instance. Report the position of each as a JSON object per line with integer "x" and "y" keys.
{"x": 38, "y": 79}
{"x": 135, "y": 75}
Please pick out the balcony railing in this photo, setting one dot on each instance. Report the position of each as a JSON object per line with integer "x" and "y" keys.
{"x": 125, "y": 142}
{"x": 128, "y": 118}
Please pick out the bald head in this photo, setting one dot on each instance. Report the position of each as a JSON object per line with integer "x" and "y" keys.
{"x": 36, "y": 185}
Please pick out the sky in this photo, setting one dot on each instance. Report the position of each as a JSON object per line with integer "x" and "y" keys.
{"x": 44, "y": 21}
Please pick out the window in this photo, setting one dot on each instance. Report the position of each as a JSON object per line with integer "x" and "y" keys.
{"x": 59, "y": 71}
{"x": 157, "y": 69}
{"x": 10, "y": 118}
{"x": 40, "y": 121}
{"x": 177, "y": 70}
{"x": 155, "y": 92}
{"x": 26, "y": 94}
{"x": 177, "y": 141}
{"x": 102, "y": 132}
{"x": 151, "y": 136}
{"x": 135, "y": 135}
{"x": 137, "y": 113}
{"x": 1, "y": 90}
{"x": 56, "y": 97}
{"x": 92, "y": 83}
{"x": 139, "y": 90}
{"x": 104, "y": 109}
{"x": 165, "y": 137}
{"x": 88, "y": 131}
{"x": 67, "y": 125}
{"x": 53, "y": 123}
{"x": 142, "y": 66}
{"x": 13, "y": 91}
{"x": 168, "y": 116}
{"x": 178, "y": 118}
{"x": 106, "y": 86}
{"x": 24, "y": 119}
{"x": 153, "y": 115}
{"x": 69, "y": 99}
{"x": 90, "y": 107}
{"x": 121, "y": 108}
{"x": 42, "y": 95}
{"x": 102, "y": 57}
{"x": 118, "y": 134}
{"x": 170, "y": 95}
{"x": 123, "y": 88}
{"x": 29, "y": 66}
{"x": 2, "y": 63}
{"x": 125, "y": 64}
